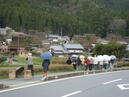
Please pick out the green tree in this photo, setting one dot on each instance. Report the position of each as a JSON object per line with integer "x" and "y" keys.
{"x": 111, "y": 49}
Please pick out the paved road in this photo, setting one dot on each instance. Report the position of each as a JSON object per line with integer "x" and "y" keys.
{"x": 96, "y": 85}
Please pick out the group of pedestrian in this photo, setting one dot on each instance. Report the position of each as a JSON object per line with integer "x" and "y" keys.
{"x": 79, "y": 63}
{"x": 92, "y": 63}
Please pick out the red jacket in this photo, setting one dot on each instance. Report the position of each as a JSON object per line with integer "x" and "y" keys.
{"x": 88, "y": 61}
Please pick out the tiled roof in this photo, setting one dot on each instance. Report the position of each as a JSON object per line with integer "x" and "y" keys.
{"x": 73, "y": 46}
{"x": 3, "y": 31}
{"x": 57, "y": 47}
{"x": 52, "y": 36}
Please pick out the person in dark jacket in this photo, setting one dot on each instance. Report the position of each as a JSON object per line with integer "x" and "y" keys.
{"x": 69, "y": 61}
{"x": 74, "y": 62}
{"x": 79, "y": 63}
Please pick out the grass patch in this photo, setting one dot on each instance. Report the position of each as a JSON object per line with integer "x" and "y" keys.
{"x": 37, "y": 60}
{"x": 3, "y": 76}
{"x": 20, "y": 59}
{"x": 58, "y": 58}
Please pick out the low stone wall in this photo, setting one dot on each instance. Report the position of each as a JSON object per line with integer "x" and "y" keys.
{"x": 5, "y": 72}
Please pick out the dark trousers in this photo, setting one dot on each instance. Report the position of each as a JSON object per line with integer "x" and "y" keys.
{"x": 30, "y": 67}
{"x": 88, "y": 67}
{"x": 75, "y": 66}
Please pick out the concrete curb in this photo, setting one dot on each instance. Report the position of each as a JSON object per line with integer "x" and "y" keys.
{"x": 2, "y": 86}
{"x": 81, "y": 73}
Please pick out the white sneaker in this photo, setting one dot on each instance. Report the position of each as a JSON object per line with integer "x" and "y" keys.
{"x": 43, "y": 78}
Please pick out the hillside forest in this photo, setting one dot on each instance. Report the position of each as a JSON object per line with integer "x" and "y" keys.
{"x": 66, "y": 17}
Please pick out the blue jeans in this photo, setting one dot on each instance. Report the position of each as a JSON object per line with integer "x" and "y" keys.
{"x": 106, "y": 66}
{"x": 95, "y": 66}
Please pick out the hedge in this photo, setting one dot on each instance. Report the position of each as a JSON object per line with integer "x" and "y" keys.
{"x": 2, "y": 58}
{"x": 4, "y": 73}
{"x": 58, "y": 61}
{"x": 122, "y": 64}
{"x": 118, "y": 50}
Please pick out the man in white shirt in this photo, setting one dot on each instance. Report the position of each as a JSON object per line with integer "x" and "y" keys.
{"x": 30, "y": 63}
{"x": 95, "y": 63}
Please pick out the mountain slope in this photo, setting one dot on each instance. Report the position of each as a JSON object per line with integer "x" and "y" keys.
{"x": 67, "y": 16}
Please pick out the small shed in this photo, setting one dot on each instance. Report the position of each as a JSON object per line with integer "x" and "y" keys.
{"x": 3, "y": 31}
{"x": 127, "y": 48}
{"x": 57, "y": 50}
{"x": 122, "y": 42}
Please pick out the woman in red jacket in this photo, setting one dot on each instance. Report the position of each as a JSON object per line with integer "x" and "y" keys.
{"x": 88, "y": 64}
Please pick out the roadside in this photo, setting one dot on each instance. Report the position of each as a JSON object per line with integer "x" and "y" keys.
{"x": 36, "y": 78}
{"x": 52, "y": 76}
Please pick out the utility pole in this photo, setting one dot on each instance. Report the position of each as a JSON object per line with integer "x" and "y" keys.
{"x": 61, "y": 32}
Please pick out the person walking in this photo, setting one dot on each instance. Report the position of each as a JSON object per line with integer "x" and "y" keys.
{"x": 69, "y": 61}
{"x": 95, "y": 63}
{"x": 88, "y": 64}
{"x": 79, "y": 63}
{"x": 82, "y": 58}
{"x": 101, "y": 65}
{"x": 112, "y": 63}
{"x": 30, "y": 63}
{"x": 106, "y": 64}
{"x": 74, "y": 62}
{"x": 45, "y": 64}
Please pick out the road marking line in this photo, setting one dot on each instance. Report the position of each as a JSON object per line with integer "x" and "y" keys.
{"x": 112, "y": 81}
{"x": 11, "y": 89}
{"x": 70, "y": 94}
{"x": 123, "y": 86}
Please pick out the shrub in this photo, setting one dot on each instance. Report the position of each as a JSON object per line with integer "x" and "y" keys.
{"x": 4, "y": 73}
{"x": 126, "y": 54}
{"x": 61, "y": 68}
{"x": 56, "y": 68}
{"x": 58, "y": 61}
{"x": 2, "y": 59}
{"x": 35, "y": 53}
{"x": 111, "y": 49}
{"x": 122, "y": 64}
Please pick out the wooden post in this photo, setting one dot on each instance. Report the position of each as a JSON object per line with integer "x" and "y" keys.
{"x": 12, "y": 74}
{"x": 27, "y": 75}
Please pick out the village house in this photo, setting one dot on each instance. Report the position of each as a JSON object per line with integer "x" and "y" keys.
{"x": 74, "y": 48}
{"x": 122, "y": 42}
{"x": 127, "y": 48}
{"x": 19, "y": 42}
{"x": 53, "y": 38}
{"x": 66, "y": 49}
{"x": 3, "y": 31}
{"x": 58, "y": 50}
{"x": 58, "y": 39}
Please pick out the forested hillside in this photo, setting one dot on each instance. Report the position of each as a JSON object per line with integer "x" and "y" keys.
{"x": 67, "y": 16}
